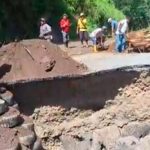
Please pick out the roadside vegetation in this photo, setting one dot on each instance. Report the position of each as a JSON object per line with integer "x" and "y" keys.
{"x": 20, "y": 18}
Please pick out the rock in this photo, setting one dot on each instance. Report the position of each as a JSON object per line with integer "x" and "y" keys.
{"x": 50, "y": 66}
{"x": 8, "y": 98}
{"x": 109, "y": 103}
{"x": 136, "y": 129}
{"x": 26, "y": 137}
{"x": 121, "y": 123}
{"x": 70, "y": 143}
{"x": 10, "y": 119}
{"x": 27, "y": 123}
{"x": 37, "y": 145}
{"x": 126, "y": 143}
{"x": 15, "y": 105}
{"x": 23, "y": 147}
{"x": 2, "y": 90}
{"x": 105, "y": 137}
{"x": 3, "y": 107}
{"x": 144, "y": 144}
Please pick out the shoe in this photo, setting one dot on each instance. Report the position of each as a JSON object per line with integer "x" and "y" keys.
{"x": 95, "y": 49}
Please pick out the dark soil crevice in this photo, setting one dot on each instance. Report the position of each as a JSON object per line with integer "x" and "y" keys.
{"x": 90, "y": 92}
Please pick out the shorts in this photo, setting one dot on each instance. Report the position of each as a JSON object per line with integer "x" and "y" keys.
{"x": 83, "y": 36}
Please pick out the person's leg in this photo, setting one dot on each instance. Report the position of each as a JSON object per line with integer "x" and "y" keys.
{"x": 94, "y": 40}
{"x": 67, "y": 39}
{"x": 118, "y": 43}
{"x": 86, "y": 38}
{"x": 81, "y": 37}
{"x": 123, "y": 42}
{"x": 64, "y": 34}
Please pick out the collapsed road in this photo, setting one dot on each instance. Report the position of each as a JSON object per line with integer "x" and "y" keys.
{"x": 81, "y": 96}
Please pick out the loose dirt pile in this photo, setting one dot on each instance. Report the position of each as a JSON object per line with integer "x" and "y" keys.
{"x": 123, "y": 124}
{"x": 35, "y": 59}
{"x": 139, "y": 41}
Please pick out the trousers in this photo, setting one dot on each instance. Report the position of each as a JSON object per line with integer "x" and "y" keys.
{"x": 120, "y": 42}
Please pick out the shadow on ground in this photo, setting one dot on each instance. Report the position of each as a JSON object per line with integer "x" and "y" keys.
{"x": 89, "y": 92}
{"x": 5, "y": 68}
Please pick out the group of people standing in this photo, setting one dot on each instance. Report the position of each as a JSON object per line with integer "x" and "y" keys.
{"x": 82, "y": 31}
{"x": 118, "y": 31}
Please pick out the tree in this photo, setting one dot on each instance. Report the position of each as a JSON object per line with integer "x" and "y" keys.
{"x": 139, "y": 11}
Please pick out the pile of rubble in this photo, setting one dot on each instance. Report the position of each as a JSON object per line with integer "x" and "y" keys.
{"x": 124, "y": 123}
{"x": 16, "y": 130}
{"x": 139, "y": 41}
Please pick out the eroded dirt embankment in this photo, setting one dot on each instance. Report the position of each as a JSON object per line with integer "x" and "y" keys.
{"x": 90, "y": 112}
{"x": 84, "y": 92}
{"x": 123, "y": 123}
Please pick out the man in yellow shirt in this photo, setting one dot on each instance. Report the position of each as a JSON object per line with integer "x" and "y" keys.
{"x": 82, "y": 30}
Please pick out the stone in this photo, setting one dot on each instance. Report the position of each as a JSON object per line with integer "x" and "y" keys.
{"x": 126, "y": 143}
{"x": 136, "y": 129}
{"x": 105, "y": 137}
{"x": 8, "y": 98}
{"x": 3, "y": 107}
{"x": 144, "y": 144}
{"x": 10, "y": 119}
{"x": 71, "y": 143}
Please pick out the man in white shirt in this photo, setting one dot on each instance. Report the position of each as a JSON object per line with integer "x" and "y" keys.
{"x": 121, "y": 32}
{"x": 45, "y": 30}
{"x": 97, "y": 36}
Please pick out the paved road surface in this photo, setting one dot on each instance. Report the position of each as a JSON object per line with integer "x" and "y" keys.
{"x": 106, "y": 60}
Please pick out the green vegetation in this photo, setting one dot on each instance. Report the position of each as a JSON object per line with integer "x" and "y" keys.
{"x": 139, "y": 10}
{"x": 19, "y": 18}
{"x": 97, "y": 11}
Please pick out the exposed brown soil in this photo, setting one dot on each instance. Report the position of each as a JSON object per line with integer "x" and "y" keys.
{"x": 8, "y": 139}
{"x": 46, "y": 60}
{"x": 139, "y": 41}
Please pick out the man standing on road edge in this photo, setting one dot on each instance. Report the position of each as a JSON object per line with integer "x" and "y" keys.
{"x": 45, "y": 30}
{"x": 65, "y": 29}
{"x": 121, "y": 34}
{"x": 82, "y": 29}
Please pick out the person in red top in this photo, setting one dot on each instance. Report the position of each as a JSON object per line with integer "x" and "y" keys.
{"x": 65, "y": 29}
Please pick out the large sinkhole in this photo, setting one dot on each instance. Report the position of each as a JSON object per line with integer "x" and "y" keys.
{"x": 85, "y": 92}
{"x": 70, "y": 112}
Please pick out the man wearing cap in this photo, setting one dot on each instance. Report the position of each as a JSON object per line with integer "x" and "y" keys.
{"x": 121, "y": 36}
{"x": 45, "y": 30}
{"x": 82, "y": 29}
{"x": 98, "y": 37}
{"x": 114, "y": 25}
{"x": 65, "y": 29}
